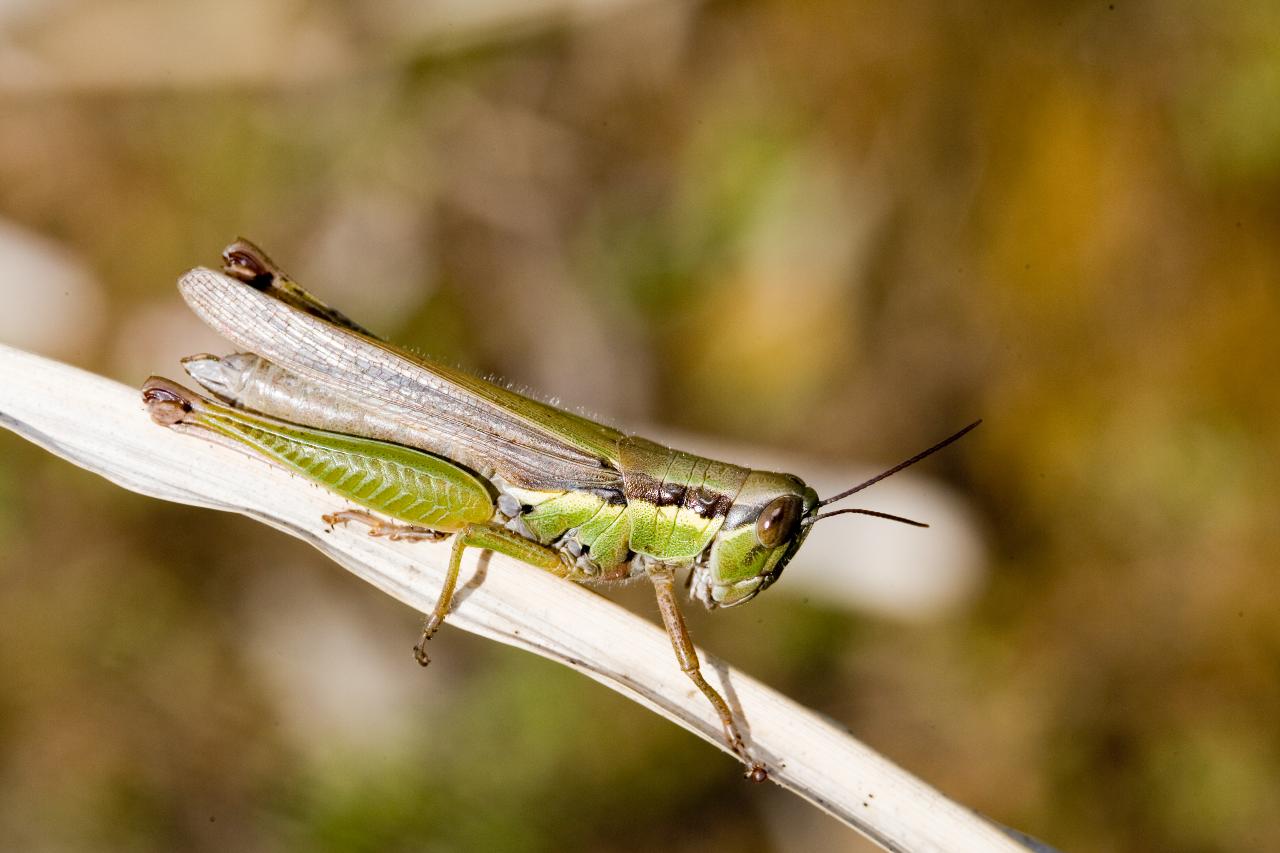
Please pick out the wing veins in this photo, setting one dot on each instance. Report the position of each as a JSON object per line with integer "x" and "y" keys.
{"x": 466, "y": 409}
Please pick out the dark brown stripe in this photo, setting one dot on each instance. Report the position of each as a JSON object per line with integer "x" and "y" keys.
{"x": 702, "y": 501}
{"x": 664, "y": 477}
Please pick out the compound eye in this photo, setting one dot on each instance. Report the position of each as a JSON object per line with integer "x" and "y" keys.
{"x": 778, "y": 520}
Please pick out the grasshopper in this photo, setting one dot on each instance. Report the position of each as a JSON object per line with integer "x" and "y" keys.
{"x": 425, "y": 451}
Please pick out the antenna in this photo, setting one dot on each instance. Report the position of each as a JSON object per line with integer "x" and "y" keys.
{"x": 823, "y": 515}
{"x": 895, "y": 469}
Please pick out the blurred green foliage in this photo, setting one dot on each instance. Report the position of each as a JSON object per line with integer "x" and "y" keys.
{"x": 842, "y": 227}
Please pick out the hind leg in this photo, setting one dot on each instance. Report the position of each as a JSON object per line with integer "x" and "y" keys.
{"x": 394, "y": 531}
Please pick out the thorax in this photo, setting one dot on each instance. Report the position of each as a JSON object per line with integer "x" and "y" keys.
{"x": 669, "y": 509}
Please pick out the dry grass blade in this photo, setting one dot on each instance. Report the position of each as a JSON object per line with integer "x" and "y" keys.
{"x": 100, "y": 425}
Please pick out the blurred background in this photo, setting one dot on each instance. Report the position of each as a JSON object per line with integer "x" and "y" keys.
{"x": 818, "y": 235}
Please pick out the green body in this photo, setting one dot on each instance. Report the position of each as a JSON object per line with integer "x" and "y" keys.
{"x": 670, "y": 507}
{"x": 610, "y": 504}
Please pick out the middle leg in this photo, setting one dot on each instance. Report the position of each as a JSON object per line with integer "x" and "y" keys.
{"x": 489, "y": 537}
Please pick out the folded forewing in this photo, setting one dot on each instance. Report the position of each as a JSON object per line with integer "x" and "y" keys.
{"x": 526, "y": 441}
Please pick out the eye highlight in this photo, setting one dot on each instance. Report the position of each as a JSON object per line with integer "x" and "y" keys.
{"x": 777, "y": 521}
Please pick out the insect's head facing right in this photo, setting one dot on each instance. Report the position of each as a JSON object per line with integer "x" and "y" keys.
{"x": 767, "y": 524}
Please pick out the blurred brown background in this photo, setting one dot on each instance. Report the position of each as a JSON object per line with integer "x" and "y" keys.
{"x": 832, "y": 229}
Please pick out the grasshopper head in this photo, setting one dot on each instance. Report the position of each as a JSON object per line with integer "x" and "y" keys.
{"x": 766, "y": 525}
{"x": 762, "y": 531}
